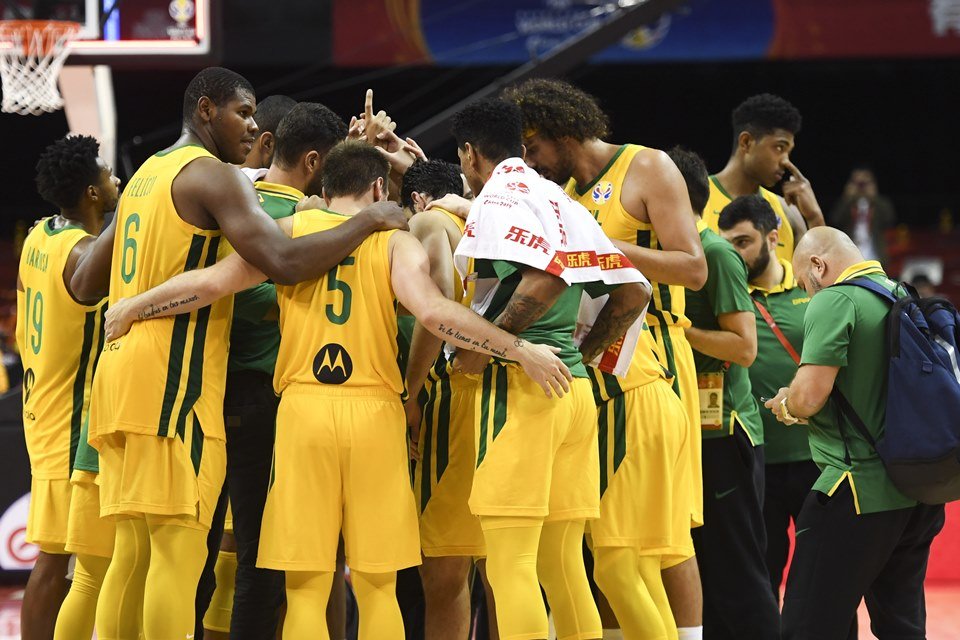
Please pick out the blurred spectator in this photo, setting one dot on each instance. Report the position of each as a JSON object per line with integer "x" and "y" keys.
{"x": 924, "y": 286}
{"x": 864, "y": 214}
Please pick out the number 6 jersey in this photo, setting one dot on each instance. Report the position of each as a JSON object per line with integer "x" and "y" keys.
{"x": 59, "y": 340}
{"x": 167, "y": 375}
{"x": 342, "y": 328}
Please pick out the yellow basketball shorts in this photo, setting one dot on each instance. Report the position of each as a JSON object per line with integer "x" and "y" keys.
{"x": 444, "y": 475}
{"x": 644, "y": 473}
{"x": 536, "y": 456}
{"x": 48, "y": 514}
{"x": 141, "y": 474}
{"x": 677, "y": 355}
{"x": 340, "y": 462}
{"x": 87, "y": 532}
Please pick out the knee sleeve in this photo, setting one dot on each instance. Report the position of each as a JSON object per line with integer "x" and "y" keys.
{"x": 120, "y": 606}
{"x": 617, "y": 573}
{"x": 218, "y": 613}
{"x": 379, "y": 612}
{"x": 512, "y": 546}
{"x": 177, "y": 556}
{"x": 562, "y": 574}
{"x": 79, "y": 609}
{"x": 307, "y": 595}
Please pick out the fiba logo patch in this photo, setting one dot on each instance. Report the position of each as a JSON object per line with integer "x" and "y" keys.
{"x": 332, "y": 364}
{"x": 602, "y": 192}
{"x": 29, "y": 378}
{"x": 182, "y": 12}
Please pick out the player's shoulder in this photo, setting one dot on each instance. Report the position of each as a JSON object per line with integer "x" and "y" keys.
{"x": 650, "y": 160}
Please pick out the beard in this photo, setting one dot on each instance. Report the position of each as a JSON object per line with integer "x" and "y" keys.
{"x": 759, "y": 265}
{"x": 814, "y": 283}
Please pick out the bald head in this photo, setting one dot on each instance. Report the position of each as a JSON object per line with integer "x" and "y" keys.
{"x": 821, "y": 256}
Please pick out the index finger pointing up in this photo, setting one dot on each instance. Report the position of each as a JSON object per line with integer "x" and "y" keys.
{"x": 368, "y": 105}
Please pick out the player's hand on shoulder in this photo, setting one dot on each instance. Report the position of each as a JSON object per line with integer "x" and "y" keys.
{"x": 310, "y": 202}
{"x": 118, "y": 319}
{"x": 386, "y": 216}
{"x": 540, "y": 362}
{"x": 455, "y": 204}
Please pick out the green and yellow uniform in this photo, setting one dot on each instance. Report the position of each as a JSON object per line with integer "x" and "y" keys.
{"x": 87, "y": 532}
{"x": 341, "y": 442}
{"x": 547, "y": 447}
{"x": 725, "y": 292}
{"x": 774, "y": 367}
{"x": 719, "y": 198}
{"x": 448, "y": 455}
{"x": 662, "y": 346}
{"x": 59, "y": 340}
{"x": 157, "y": 415}
{"x": 846, "y": 325}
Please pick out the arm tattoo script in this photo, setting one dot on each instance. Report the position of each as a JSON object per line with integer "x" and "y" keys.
{"x": 455, "y": 338}
{"x": 151, "y": 311}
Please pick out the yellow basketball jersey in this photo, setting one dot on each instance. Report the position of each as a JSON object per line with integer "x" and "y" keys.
{"x": 602, "y": 198}
{"x": 340, "y": 330}
{"x": 166, "y": 375}
{"x": 59, "y": 340}
{"x": 719, "y": 199}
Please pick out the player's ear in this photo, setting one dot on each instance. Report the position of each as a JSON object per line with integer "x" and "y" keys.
{"x": 773, "y": 239}
{"x": 523, "y": 152}
{"x": 473, "y": 159}
{"x": 744, "y": 141}
{"x": 379, "y": 190}
{"x": 206, "y": 109}
{"x": 312, "y": 162}
{"x": 419, "y": 202}
{"x": 267, "y": 143}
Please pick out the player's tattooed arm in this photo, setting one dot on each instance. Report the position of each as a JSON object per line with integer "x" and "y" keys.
{"x": 415, "y": 290}
{"x": 182, "y": 294}
{"x": 625, "y": 304}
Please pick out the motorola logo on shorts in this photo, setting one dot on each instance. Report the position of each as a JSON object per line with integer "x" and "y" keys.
{"x": 332, "y": 364}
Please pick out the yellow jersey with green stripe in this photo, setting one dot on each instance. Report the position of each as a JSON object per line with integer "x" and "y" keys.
{"x": 340, "y": 330}
{"x": 602, "y": 198}
{"x": 167, "y": 375}
{"x": 59, "y": 340}
{"x": 719, "y": 198}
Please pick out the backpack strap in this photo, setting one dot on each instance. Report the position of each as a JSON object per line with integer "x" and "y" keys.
{"x": 851, "y": 415}
{"x": 870, "y": 285}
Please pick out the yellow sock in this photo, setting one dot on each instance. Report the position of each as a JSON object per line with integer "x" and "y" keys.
{"x": 79, "y": 609}
{"x": 218, "y": 613}
{"x": 617, "y": 572}
{"x": 120, "y": 606}
{"x": 377, "y": 606}
{"x": 177, "y": 556}
{"x": 561, "y": 572}
{"x": 307, "y": 595}
{"x": 512, "y": 545}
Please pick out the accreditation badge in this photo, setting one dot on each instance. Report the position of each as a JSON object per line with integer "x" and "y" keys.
{"x": 710, "y": 386}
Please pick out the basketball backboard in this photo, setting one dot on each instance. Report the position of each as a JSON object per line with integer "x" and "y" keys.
{"x": 129, "y": 33}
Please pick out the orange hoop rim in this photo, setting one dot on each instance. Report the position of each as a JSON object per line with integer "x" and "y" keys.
{"x": 57, "y": 29}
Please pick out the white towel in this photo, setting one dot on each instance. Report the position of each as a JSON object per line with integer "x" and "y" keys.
{"x": 521, "y": 217}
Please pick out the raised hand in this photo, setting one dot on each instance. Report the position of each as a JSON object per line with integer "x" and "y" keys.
{"x": 798, "y": 192}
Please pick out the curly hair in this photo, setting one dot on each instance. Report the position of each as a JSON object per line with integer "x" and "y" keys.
{"x": 493, "y": 126}
{"x": 216, "y": 83}
{"x": 694, "y": 172}
{"x": 753, "y": 208}
{"x": 436, "y": 178}
{"x": 308, "y": 126}
{"x": 66, "y": 168}
{"x": 556, "y": 109}
{"x": 762, "y": 114}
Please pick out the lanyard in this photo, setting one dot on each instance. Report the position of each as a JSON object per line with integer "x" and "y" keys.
{"x": 777, "y": 332}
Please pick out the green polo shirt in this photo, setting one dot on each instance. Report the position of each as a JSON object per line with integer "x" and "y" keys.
{"x": 554, "y": 328}
{"x": 254, "y": 342}
{"x": 774, "y": 368}
{"x": 845, "y": 327}
{"x": 724, "y": 292}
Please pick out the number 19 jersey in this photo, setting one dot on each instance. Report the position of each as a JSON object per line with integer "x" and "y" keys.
{"x": 59, "y": 340}
{"x": 340, "y": 330}
{"x": 166, "y": 375}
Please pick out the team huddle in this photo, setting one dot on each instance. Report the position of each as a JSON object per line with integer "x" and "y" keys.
{"x": 560, "y": 343}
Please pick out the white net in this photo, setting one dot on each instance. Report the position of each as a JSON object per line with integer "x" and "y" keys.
{"x": 32, "y": 54}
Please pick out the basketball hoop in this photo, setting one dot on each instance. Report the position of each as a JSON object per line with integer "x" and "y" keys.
{"x": 32, "y": 53}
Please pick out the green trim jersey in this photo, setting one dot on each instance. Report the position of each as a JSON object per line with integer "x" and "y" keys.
{"x": 254, "y": 341}
{"x": 774, "y": 367}
{"x": 845, "y": 327}
{"x": 554, "y": 328}
{"x": 725, "y": 292}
